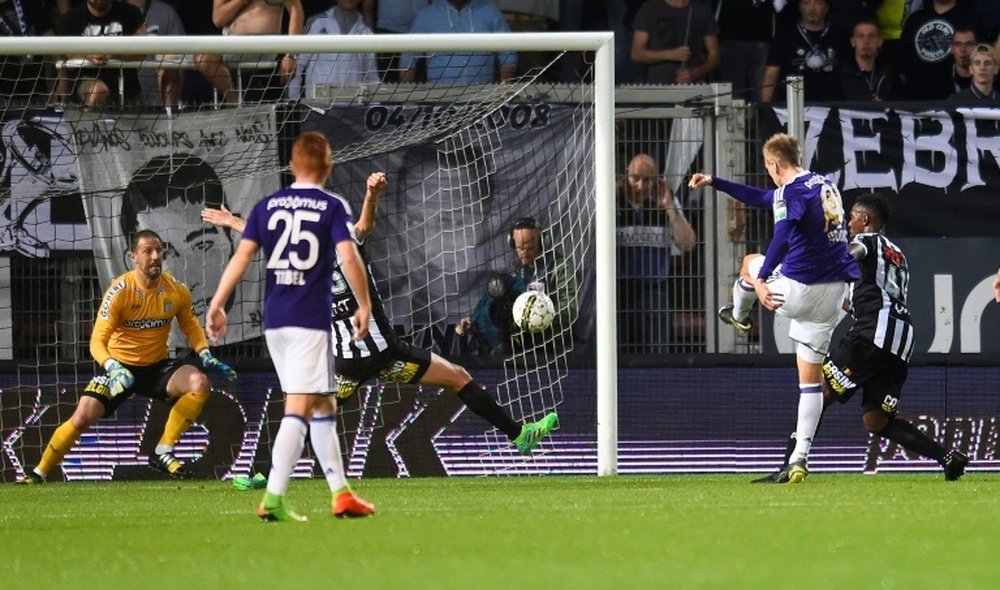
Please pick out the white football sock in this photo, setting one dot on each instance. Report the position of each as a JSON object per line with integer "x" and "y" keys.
{"x": 286, "y": 452}
{"x": 326, "y": 447}
{"x": 810, "y": 411}
{"x": 743, "y": 299}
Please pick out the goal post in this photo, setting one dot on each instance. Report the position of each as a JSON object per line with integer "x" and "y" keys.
{"x": 601, "y": 44}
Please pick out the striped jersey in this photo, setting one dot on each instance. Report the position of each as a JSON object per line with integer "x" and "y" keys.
{"x": 380, "y": 332}
{"x": 878, "y": 299}
{"x": 298, "y": 228}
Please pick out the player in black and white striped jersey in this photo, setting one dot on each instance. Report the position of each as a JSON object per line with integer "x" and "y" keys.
{"x": 874, "y": 355}
{"x": 383, "y": 354}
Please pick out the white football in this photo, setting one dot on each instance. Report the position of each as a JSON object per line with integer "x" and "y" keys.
{"x": 534, "y": 311}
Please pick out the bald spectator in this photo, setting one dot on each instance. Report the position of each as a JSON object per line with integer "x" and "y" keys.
{"x": 651, "y": 229}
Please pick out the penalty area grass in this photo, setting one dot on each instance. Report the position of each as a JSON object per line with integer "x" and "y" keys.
{"x": 689, "y": 531}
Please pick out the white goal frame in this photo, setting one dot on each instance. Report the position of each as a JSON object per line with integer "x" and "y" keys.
{"x": 601, "y": 43}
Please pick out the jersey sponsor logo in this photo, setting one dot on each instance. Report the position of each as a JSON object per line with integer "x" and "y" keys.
{"x": 649, "y": 236}
{"x": 146, "y": 323}
{"x": 106, "y": 304}
{"x": 296, "y": 202}
{"x": 838, "y": 379}
{"x": 400, "y": 372}
{"x": 933, "y": 40}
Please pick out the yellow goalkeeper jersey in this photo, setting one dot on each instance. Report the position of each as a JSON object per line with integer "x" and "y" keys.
{"x": 133, "y": 323}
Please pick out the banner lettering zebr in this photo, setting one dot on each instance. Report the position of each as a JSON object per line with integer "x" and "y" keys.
{"x": 151, "y": 172}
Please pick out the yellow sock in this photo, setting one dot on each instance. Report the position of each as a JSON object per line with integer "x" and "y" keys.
{"x": 61, "y": 442}
{"x": 182, "y": 415}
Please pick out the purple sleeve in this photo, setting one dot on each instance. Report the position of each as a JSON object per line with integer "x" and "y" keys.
{"x": 776, "y": 251}
{"x": 250, "y": 230}
{"x": 340, "y": 229}
{"x": 751, "y": 195}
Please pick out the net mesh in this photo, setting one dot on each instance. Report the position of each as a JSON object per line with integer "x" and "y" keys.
{"x": 464, "y": 162}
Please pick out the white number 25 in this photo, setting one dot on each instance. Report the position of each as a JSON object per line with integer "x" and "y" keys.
{"x": 293, "y": 234}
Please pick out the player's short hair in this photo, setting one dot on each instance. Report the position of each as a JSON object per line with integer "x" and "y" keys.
{"x": 312, "y": 151}
{"x": 139, "y": 235}
{"x": 876, "y": 205}
{"x": 783, "y": 147}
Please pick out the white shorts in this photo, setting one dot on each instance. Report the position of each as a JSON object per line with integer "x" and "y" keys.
{"x": 302, "y": 359}
{"x": 814, "y": 310}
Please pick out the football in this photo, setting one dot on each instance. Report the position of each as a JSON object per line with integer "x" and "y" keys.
{"x": 533, "y": 311}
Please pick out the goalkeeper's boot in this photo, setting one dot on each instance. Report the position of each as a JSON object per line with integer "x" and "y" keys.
{"x": 954, "y": 464}
{"x": 31, "y": 478}
{"x": 169, "y": 464}
{"x": 273, "y": 509}
{"x": 797, "y": 471}
{"x": 533, "y": 433}
{"x": 726, "y": 315}
{"x": 347, "y": 505}
{"x": 779, "y": 476}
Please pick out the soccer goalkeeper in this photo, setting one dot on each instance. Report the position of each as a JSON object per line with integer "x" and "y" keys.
{"x": 130, "y": 342}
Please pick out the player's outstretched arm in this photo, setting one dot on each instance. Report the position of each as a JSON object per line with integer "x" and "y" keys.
{"x": 223, "y": 217}
{"x": 215, "y": 320}
{"x": 751, "y": 195}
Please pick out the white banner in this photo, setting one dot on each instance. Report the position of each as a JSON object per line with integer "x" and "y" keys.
{"x": 152, "y": 172}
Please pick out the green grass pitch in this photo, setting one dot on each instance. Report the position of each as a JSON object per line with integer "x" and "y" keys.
{"x": 833, "y": 531}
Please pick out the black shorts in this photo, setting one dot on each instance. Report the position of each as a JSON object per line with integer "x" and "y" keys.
{"x": 857, "y": 363}
{"x": 150, "y": 381}
{"x": 400, "y": 363}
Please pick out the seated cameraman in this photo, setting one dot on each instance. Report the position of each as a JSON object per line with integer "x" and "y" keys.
{"x": 491, "y": 323}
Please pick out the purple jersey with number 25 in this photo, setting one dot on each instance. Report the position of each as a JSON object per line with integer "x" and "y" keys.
{"x": 298, "y": 228}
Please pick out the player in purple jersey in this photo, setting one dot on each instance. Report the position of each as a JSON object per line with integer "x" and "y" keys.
{"x": 810, "y": 245}
{"x": 385, "y": 355}
{"x": 874, "y": 355}
{"x": 303, "y": 230}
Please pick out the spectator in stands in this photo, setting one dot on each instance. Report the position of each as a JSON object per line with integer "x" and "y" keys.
{"x": 251, "y": 17}
{"x": 94, "y": 86}
{"x": 867, "y": 77}
{"x": 962, "y": 43}
{"x": 343, "y": 18}
{"x": 746, "y": 28}
{"x": 164, "y": 85}
{"x": 925, "y": 48}
{"x": 460, "y": 16}
{"x": 675, "y": 41}
{"x": 811, "y": 49}
{"x": 491, "y": 324}
{"x": 394, "y": 17}
{"x": 651, "y": 229}
{"x": 891, "y": 16}
{"x": 22, "y": 80}
{"x": 982, "y": 92}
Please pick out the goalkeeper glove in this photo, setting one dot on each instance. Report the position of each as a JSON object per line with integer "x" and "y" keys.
{"x": 210, "y": 363}
{"x": 118, "y": 378}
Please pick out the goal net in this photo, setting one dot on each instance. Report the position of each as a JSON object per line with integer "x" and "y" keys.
{"x": 465, "y": 163}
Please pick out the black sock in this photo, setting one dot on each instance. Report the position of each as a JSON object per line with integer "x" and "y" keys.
{"x": 910, "y": 438}
{"x": 789, "y": 449}
{"x": 474, "y": 396}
